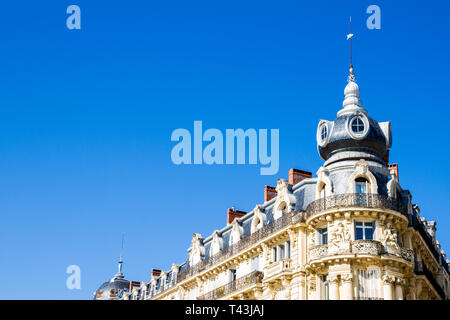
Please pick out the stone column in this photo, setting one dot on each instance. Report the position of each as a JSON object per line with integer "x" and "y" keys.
{"x": 388, "y": 282}
{"x": 399, "y": 289}
{"x": 347, "y": 286}
{"x": 334, "y": 287}
{"x": 302, "y": 288}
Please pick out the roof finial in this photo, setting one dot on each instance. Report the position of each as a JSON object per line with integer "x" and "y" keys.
{"x": 351, "y": 75}
{"x": 119, "y": 274}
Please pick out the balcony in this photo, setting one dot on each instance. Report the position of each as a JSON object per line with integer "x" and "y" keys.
{"x": 234, "y": 286}
{"x": 318, "y": 252}
{"x": 421, "y": 269}
{"x": 278, "y": 267}
{"x": 349, "y": 200}
{"x": 371, "y": 247}
{"x": 244, "y": 243}
{"x": 359, "y": 247}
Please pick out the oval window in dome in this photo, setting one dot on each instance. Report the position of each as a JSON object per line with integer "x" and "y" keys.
{"x": 357, "y": 126}
{"x": 323, "y": 132}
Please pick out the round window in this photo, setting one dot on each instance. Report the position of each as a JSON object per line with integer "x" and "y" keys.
{"x": 357, "y": 125}
{"x": 323, "y": 133}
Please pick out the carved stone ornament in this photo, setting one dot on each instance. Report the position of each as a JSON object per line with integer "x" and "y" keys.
{"x": 388, "y": 279}
{"x": 390, "y": 238}
{"x": 339, "y": 238}
{"x": 348, "y": 277}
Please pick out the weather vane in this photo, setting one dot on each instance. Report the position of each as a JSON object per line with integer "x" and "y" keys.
{"x": 351, "y": 76}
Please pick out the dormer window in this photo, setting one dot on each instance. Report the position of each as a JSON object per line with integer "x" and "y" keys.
{"x": 113, "y": 293}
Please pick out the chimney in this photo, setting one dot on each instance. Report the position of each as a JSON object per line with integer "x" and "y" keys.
{"x": 156, "y": 273}
{"x": 269, "y": 193}
{"x": 134, "y": 284}
{"x": 386, "y": 158}
{"x": 296, "y": 175}
{"x": 394, "y": 167}
{"x": 233, "y": 214}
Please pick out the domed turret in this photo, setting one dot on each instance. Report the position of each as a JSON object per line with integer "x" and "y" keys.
{"x": 353, "y": 134}
{"x": 116, "y": 287}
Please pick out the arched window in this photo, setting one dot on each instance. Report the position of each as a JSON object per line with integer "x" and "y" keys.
{"x": 361, "y": 185}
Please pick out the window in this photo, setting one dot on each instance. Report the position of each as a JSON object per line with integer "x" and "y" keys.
{"x": 361, "y": 185}
{"x": 357, "y": 126}
{"x": 232, "y": 275}
{"x": 274, "y": 250}
{"x": 325, "y": 288}
{"x": 323, "y": 132}
{"x": 368, "y": 284}
{"x": 364, "y": 230}
{"x": 323, "y": 235}
{"x": 288, "y": 249}
{"x": 255, "y": 263}
{"x": 282, "y": 251}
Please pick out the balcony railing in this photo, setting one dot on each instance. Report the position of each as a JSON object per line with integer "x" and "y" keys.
{"x": 362, "y": 200}
{"x": 371, "y": 247}
{"x": 233, "y": 286}
{"x": 318, "y": 252}
{"x": 366, "y": 247}
{"x": 277, "y": 267}
{"x": 242, "y": 244}
{"x": 420, "y": 268}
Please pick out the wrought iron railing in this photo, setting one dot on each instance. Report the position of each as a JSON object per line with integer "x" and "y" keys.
{"x": 420, "y": 268}
{"x": 242, "y": 244}
{"x": 233, "y": 286}
{"x": 347, "y": 200}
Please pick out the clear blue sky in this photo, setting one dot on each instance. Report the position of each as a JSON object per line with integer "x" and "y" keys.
{"x": 86, "y": 118}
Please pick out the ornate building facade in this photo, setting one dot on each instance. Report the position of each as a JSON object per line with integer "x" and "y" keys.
{"x": 352, "y": 232}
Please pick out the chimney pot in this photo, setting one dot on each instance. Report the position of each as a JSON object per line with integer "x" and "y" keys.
{"x": 297, "y": 175}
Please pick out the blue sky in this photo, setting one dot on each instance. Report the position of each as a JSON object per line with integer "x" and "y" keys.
{"x": 86, "y": 118}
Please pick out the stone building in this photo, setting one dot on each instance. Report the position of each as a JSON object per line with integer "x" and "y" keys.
{"x": 352, "y": 232}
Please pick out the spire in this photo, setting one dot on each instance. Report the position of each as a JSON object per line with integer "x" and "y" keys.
{"x": 351, "y": 75}
{"x": 119, "y": 274}
{"x": 352, "y": 102}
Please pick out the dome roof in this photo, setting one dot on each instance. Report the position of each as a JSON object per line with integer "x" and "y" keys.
{"x": 343, "y": 137}
{"x": 112, "y": 290}
{"x": 353, "y": 131}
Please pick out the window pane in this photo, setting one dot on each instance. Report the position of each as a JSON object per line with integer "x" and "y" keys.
{"x": 282, "y": 251}
{"x": 359, "y": 233}
{"x": 361, "y": 187}
{"x": 369, "y": 233}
